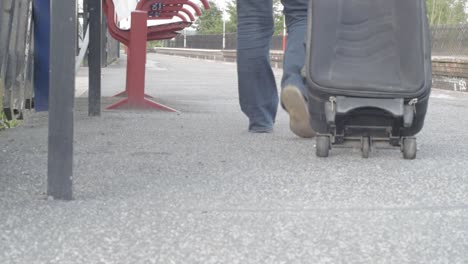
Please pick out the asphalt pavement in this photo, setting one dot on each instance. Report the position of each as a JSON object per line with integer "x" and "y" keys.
{"x": 196, "y": 187}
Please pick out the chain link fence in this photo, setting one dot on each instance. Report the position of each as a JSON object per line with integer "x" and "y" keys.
{"x": 450, "y": 40}
{"x": 213, "y": 42}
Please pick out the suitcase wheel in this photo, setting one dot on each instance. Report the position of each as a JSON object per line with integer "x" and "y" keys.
{"x": 323, "y": 146}
{"x": 409, "y": 148}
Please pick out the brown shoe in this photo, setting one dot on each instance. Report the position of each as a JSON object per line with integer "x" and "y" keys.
{"x": 299, "y": 119}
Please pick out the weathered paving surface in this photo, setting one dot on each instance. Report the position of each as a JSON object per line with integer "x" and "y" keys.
{"x": 154, "y": 187}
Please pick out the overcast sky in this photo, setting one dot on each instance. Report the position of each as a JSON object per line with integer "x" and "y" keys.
{"x": 221, "y": 3}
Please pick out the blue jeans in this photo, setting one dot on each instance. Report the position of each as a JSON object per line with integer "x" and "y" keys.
{"x": 258, "y": 93}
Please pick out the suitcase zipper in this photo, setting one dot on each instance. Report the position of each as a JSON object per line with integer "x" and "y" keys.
{"x": 332, "y": 100}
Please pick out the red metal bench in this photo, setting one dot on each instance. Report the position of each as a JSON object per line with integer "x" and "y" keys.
{"x": 139, "y": 33}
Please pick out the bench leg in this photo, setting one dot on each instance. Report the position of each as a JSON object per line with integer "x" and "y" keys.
{"x": 136, "y": 69}
{"x": 144, "y": 104}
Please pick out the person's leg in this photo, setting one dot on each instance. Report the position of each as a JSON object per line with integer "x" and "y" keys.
{"x": 294, "y": 91}
{"x": 258, "y": 95}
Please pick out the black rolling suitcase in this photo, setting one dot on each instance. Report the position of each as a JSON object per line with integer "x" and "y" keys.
{"x": 368, "y": 70}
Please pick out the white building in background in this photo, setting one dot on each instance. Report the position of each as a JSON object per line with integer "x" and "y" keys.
{"x": 124, "y": 8}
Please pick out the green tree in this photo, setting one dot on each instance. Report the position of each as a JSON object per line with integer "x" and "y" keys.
{"x": 231, "y": 10}
{"x": 278, "y": 17}
{"x": 211, "y": 20}
{"x": 446, "y": 12}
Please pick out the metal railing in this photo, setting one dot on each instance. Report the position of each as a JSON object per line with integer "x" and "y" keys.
{"x": 17, "y": 55}
{"x": 110, "y": 47}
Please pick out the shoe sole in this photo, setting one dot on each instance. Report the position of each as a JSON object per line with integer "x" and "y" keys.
{"x": 295, "y": 105}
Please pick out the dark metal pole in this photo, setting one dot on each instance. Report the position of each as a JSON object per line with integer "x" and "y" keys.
{"x": 94, "y": 57}
{"x": 62, "y": 87}
{"x": 86, "y": 14}
{"x": 104, "y": 42}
